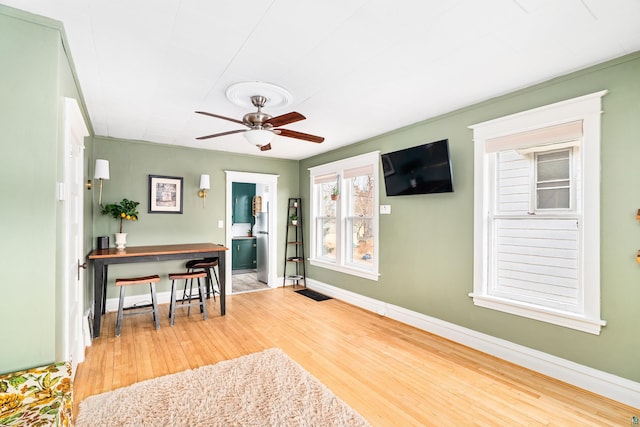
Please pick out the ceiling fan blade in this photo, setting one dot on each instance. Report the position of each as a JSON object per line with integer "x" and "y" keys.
{"x": 220, "y": 117}
{"x": 285, "y": 119}
{"x": 265, "y": 147}
{"x": 300, "y": 135}
{"x": 215, "y": 135}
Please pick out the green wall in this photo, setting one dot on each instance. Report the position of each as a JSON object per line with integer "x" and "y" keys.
{"x": 34, "y": 79}
{"x": 426, "y": 244}
{"x": 131, "y": 162}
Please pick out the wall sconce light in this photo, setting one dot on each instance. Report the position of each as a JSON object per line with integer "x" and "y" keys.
{"x": 88, "y": 184}
{"x": 204, "y": 186}
{"x": 101, "y": 173}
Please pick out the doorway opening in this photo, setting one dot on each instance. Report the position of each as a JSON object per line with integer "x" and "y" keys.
{"x": 255, "y": 235}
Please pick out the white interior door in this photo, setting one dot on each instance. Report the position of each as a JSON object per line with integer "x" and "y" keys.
{"x": 73, "y": 200}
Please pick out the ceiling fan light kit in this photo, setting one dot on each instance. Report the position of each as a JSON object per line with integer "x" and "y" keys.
{"x": 262, "y": 126}
{"x": 258, "y": 137}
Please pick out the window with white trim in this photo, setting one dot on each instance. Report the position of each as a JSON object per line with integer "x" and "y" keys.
{"x": 344, "y": 214}
{"x": 536, "y": 214}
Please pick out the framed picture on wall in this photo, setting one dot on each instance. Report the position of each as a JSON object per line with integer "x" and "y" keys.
{"x": 165, "y": 194}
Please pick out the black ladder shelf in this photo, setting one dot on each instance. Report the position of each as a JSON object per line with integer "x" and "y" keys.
{"x": 294, "y": 244}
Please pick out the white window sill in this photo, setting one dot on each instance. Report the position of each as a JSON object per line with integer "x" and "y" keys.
{"x": 561, "y": 318}
{"x": 345, "y": 269}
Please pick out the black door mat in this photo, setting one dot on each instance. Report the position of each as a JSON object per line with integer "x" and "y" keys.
{"x": 316, "y": 296}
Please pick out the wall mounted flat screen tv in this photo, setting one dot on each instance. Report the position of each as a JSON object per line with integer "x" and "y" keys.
{"x": 423, "y": 169}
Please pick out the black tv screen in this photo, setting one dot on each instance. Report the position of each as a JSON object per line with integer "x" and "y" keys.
{"x": 422, "y": 169}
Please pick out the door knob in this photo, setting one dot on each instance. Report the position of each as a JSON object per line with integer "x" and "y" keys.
{"x": 81, "y": 266}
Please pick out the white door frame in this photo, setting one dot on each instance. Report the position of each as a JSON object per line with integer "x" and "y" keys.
{"x": 72, "y": 196}
{"x": 258, "y": 178}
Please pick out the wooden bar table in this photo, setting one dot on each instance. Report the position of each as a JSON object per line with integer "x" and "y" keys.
{"x": 102, "y": 258}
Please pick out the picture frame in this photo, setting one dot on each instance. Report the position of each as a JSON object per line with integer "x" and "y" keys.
{"x": 165, "y": 194}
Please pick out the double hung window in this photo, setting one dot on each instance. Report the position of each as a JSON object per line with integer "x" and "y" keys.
{"x": 536, "y": 225}
{"x": 344, "y": 210}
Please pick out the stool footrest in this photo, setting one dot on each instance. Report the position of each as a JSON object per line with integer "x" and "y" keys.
{"x": 142, "y": 310}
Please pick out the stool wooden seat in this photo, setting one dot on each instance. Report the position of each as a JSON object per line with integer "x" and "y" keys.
{"x": 208, "y": 265}
{"x": 124, "y": 282}
{"x": 188, "y": 276}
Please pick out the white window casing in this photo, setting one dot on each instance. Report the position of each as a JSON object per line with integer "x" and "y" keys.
{"x": 346, "y": 222}
{"x": 540, "y": 261}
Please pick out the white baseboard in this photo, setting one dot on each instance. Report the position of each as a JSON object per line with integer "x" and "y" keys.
{"x": 86, "y": 329}
{"x": 593, "y": 380}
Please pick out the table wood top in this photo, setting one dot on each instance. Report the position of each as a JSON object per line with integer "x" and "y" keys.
{"x": 132, "y": 251}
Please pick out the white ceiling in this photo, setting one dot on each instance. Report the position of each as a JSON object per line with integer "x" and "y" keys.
{"x": 355, "y": 68}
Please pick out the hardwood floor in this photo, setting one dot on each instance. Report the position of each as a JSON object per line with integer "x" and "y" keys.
{"x": 391, "y": 373}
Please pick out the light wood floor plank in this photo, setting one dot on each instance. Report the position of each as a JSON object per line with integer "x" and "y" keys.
{"x": 391, "y": 373}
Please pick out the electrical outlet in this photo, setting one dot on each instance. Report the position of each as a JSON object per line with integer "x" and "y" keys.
{"x": 220, "y": 223}
{"x": 385, "y": 209}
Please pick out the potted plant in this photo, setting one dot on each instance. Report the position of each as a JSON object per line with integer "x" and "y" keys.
{"x": 335, "y": 193}
{"x": 249, "y": 233}
{"x": 125, "y": 210}
{"x": 294, "y": 219}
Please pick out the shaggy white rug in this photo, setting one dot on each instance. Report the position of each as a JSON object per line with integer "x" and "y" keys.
{"x": 261, "y": 389}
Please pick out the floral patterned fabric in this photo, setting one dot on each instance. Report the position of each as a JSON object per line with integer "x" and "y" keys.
{"x": 37, "y": 397}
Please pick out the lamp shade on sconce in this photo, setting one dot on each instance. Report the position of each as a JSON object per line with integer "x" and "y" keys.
{"x": 204, "y": 186}
{"x": 204, "y": 182}
{"x": 102, "y": 169}
{"x": 258, "y": 137}
{"x": 101, "y": 172}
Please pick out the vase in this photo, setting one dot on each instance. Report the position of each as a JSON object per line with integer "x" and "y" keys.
{"x": 121, "y": 240}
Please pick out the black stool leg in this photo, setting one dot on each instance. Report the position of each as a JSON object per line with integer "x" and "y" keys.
{"x": 154, "y": 302}
{"x": 184, "y": 292}
{"x": 217, "y": 281}
{"x": 172, "y": 305}
{"x": 208, "y": 284}
{"x": 190, "y": 294}
{"x": 210, "y": 288}
{"x": 203, "y": 306}
{"x": 120, "y": 307}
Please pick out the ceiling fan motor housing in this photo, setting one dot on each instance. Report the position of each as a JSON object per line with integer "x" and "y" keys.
{"x": 255, "y": 120}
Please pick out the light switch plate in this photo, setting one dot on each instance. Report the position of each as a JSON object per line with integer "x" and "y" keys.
{"x": 385, "y": 209}
{"x": 220, "y": 223}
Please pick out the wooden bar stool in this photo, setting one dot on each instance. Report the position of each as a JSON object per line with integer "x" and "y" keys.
{"x": 122, "y": 283}
{"x": 208, "y": 265}
{"x": 189, "y": 276}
